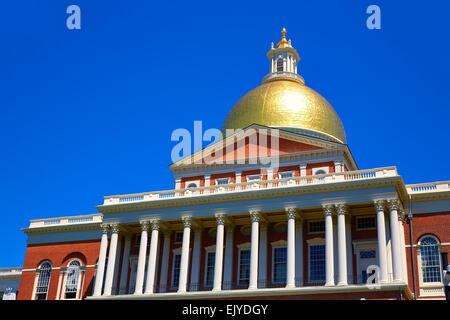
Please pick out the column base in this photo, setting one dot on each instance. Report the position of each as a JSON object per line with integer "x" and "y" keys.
{"x": 290, "y": 285}
{"x": 329, "y": 284}
{"x": 252, "y": 288}
{"x": 342, "y": 283}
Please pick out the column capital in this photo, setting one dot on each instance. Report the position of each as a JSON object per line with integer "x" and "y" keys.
{"x": 220, "y": 218}
{"x": 394, "y": 204}
{"x": 144, "y": 225}
{"x": 291, "y": 213}
{"x": 114, "y": 227}
{"x": 105, "y": 228}
{"x": 255, "y": 215}
{"x": 379, "y": 204}
{"x": 328, "y": 209}
{"x": 155, "y": 224}
{"x": 187, "y": 221}
{"x": 341, "y": 208}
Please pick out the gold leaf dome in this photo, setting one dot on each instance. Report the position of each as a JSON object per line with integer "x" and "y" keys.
{"x": 289, "y": 105}
{"x": 283, "y": 101}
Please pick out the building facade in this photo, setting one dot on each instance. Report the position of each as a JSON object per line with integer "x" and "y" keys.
{"x": 277, "y": 209}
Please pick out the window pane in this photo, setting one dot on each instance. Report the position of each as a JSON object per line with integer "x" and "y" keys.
{"x": 431, "y": 269}
{"x": 176, "y": 270}
{"x": 317, "y": 263}
{"x": 244, "y": 267}
{"x": 210, "y": 262}
{"x": 279, "y": 265}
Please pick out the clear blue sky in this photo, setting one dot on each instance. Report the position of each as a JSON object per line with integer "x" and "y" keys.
{"x": 88, "y": 113}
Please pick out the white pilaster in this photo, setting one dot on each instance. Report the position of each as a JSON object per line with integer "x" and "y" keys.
{"x": 195, "y": 265}
{"x": 141, "y": 258}
{"x": 125, "y": 265}
{"x": 150, "y": 282}
{"x": 262, "y": 260}
{"x": 184, "y": 264}
{"x": 329, "y": 257}
{"x": 290, "y": 276}
{"x": 395, "y": 239}
{"x": 101, "y": 261}
{"x": 299, "y": 252}
{"x": 253, "y": 283}
{"x": 228, "y": 263}
{"x": 165, "y": 262}
{"x": 381, "y": 237}
{"x": 218, "y": 265}
{"x": 342, "y": 246}
{"x": 111, "y": 259}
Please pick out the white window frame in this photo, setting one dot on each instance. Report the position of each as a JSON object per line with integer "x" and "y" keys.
{"x": 35, "y": 293}
{"x": 210, "y": 249}
{"x": 216, "y": 181}
{"x": 242, "y": 247}
{"x": 277, "y": 245}
{"x": 249, "y": 177}
{"x": 429, "y": 288}
{"x": 175, "y": 252}
{"x": 314, "y": 242}
{"x": 325, "y": 169}
{"x": 80, "y": 276}
{"x": 175, "y": 237}
{"x": 364, "y": 245}
{"x": 285, "y": 183}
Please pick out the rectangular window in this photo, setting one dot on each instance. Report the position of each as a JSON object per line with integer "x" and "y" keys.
{"x": 279, "y": 264}
{"x": 367, "y": 254}
{"x": 317, "y": 263}
{"x": 254, "y": 178}
{"x": 176, "y": 270}
{"x": 366, "y": 223}
{"x": 284, "y": 175}
{"x": 222, "y": 181}
{"x": 178, "y": 237}
{"x": 316, "y": 226}
{"x": 209, "y": 268}
{"x": 244, "y": 267}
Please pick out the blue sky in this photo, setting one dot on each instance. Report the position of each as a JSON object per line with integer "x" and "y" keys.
{"x": 88, "y": 113}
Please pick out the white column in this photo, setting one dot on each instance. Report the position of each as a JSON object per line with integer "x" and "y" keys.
{"x": 228, "y": 264}
{"x": 111, "y": 260}
{"x": 262, "y": 261}
{"x": 125, "y": 265}
{"x": 290, "y": 276}
{"x": 218, "y": 264}
{"x": 101, "y": 261}
{"x": 395, "y": 240}
{"x": 150, "y": 282}
{"x": 165, "y": 263}
{"x": 342, "y": 245}
{"x": 253, "y": 283}
{"x": 329, "y": 257}
{"x": 141, "y": 259}
{"x": 381, "y": 237}
{"x": 195, "y": 266}
{"x": 299, "y": 252}
{"x": 184, "y": 264}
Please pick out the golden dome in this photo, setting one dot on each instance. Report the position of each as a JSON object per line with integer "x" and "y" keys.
{"x": 290, "y": 105}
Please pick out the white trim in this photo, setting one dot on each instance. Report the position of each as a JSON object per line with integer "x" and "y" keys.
{"x": 242, "y": 247}
{"x": 248, "y": 177}
{"x": 326, "y": 169}
{"x": 365, "y": 245}
{"x": 216, "y": 181}
{"x": 210, "y": 249}
{"x": 276, "y": 245}
{"x": 429, "y": 289}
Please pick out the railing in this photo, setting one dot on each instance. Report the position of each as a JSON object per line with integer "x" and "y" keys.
{"x": 66, "y": 221}
{"x": 255, "y": 185}
{"x": 428, "y": 187}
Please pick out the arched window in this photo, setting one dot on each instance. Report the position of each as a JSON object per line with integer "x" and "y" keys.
{"x": 320, "y": 172}
{"x": 44, "y": 272}
{"x": 430, "y": 259}
{"x": 72, "y": 279}
{"x": 192, "y": 185}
